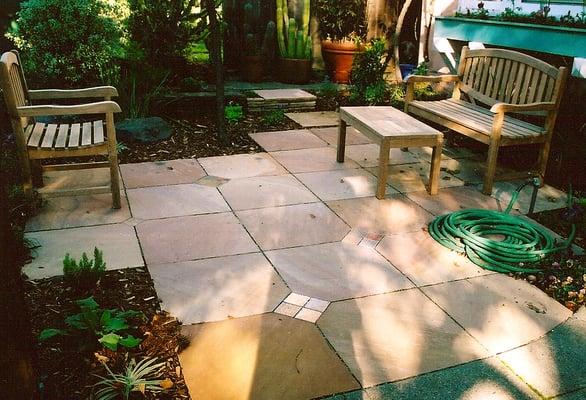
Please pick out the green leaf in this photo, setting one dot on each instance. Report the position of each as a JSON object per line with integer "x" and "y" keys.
{"x": 76, "y": 321}
{"x": 49, "y": 333}
{"x": 87, "y": 304}
{"x": 110, "y": 341}
{"x": 130, "y": 341}
{"x": 105, "y": 318}
{"x": 114, "y": 325}
{"x": 129, "y": 314}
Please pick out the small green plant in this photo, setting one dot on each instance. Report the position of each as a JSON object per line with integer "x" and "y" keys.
{"x": 422, "y": 69}
{"x": 233, "y": 113}
{"x": 367, "y": 75}
{"x": 273, "y": 117}
{"x": 85, "y": 274}
{"x": 121, "y": 147}
{"x": 137, "y": 377}
{"x": 94, "y": 324}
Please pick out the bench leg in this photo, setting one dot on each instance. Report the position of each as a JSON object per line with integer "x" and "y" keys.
{"x": 542, "y": 160}
{"x": 383, "y": 169}
{"x": 113, "y": 159}
{"x": 341, "y": 141}
{"x": 436, "y": 158}
{"x": 493, "y": 152}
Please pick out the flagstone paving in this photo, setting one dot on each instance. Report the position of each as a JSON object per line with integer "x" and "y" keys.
{"x": 294, "y": 282}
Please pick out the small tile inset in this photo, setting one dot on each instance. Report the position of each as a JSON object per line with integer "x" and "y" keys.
{"x": 317, "y": 304}
{"x": 368, "y": 243}
{"x": 308, "y": 315}
{"x": 287, "y": 309}
{"x": 297, "y": 299}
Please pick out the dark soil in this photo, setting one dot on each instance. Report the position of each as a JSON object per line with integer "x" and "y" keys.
{"x": 68, "y": 373}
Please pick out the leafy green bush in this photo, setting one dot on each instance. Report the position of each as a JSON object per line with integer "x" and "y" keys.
{"x": 341, "y": 19}
{"x": 108, "y": 327}
{"x": 85, "y": 274}
{"x": 233, "y": 113}
{"x": 273, "y": 117}
{"x": 367, "y": 74}
{"x": 65, "y": 43}
{"x": 137, "y": 377}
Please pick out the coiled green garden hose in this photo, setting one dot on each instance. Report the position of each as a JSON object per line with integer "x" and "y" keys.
{"x": 519, "y": 242}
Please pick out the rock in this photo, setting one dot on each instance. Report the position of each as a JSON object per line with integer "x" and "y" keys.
{"x": 143, "y": 129}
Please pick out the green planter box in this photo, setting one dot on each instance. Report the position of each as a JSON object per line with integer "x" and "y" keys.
{"x": 559, "y": 40}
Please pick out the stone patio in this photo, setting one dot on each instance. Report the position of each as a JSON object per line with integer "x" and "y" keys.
{"x": 294, "y": 282}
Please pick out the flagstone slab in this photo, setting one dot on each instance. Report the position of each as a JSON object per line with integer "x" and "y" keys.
{"x": 455, "y": 199}
{"x": 394, "y": 214}
{"x": 395, "y": 336}
{"x": 330, "y": 136}
{"x": 218, "y": 288}
{"x": 336, "y": 271}
{"x": 193, "y": 237}
{"x": 117, "y": 241}
{"x": 261, "y": 357}
{"x": 74, "y": 179}
{"x": 285, "y": 94}
{"x": 242, "y": 166}
{"x": 296, "y": 225}
{"x": 366, "y": 155}
{"x": 548, "y": 197}
{"x": 315, "y": 118}
{"x": 341, "y": 184}
{"x": 499, "y": 311}
{"x": 415, "y": 177}
{"x": 311, "y": 160}
{"x": 174, "y": 201}
{"x": 287, "y": 140}
{"x": 425, "y": 261}
{"x": 265, "y": 191}
{"x": 554, "y": 364}
{"x": 77, "y": 211}
{"x": 160, "y": 173}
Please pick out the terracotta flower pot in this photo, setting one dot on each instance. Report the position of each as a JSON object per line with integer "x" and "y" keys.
{"x": 293, "y": 70}
{"x": 338, "y": 57}
{"x": 252, "y": 68}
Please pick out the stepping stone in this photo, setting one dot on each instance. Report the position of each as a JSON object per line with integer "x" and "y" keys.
{"x": 455, "y": 199}
{"x": 174, "y": 201}
{"x": 415, "y": 177}
{"x": 315, "y": 119}
{"x": 425, "y": 261}
{"x": 285, "y": 94}
{"x": 261, "y": 357}
{"x": 161, "y": 173}
{"x": 394, "y": 336}
{"x": 218, "y": 288}
{"x": 336, "y": 271}
{"x": 265, "y": 191}
{"x": 117, "y": 241}
{"x": 553, "y": 364}
{"x": 310, "y": 160}
{"x": 366, "y": 155}
{"x": 77, "y": 211}
{"x": 394, "y": 214}
{"x": 548, "y": 197}
{"x": 282, "y": 99}
{"x": 296, "y": 225}
{"x": 330, "y": 135}
{"x": 242, "y": 166}
{"x": 287, "y": 140}
{"x": 194, "y": 237}
{"x": 499, "y": 311}
{"x": 341, "y": 184}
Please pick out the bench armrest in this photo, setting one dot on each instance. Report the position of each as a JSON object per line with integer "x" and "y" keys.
{"x": 431, "y": 79}
{"x": 49, "y": 94}
{"x": 518, "y": 108}
{"x": 101, "y": 107}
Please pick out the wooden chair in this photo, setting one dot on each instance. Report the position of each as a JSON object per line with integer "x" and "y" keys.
{"x": 37, "y": 141}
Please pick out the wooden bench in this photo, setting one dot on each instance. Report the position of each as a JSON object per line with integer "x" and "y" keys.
{"x": 492, "y": 84}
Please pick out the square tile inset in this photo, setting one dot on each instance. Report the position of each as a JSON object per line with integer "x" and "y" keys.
{"x": 297, "y": 299}
{"x": 287, "y": 140}
{"x": 160, "y": 173}
{"x": 296, "y": 225}
{"x": 242, "y": 166}
{"x": 317, "y": 304}
{"x": 287, "y": 309}
{"x": 311, "y": 160}
{"x": 308, "y": 315}
{"x": 194, "y": 237}
{"x": 218, "y": 288}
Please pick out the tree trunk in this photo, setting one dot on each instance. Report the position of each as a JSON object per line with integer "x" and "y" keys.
{"x": 396, "y": 36}
{"x": 216, "y": 57}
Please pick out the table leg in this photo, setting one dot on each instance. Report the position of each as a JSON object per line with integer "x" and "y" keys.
{"x": 341, "y": 141}
{"x": 436, "y": 158}
{"x": 383, "y": 169}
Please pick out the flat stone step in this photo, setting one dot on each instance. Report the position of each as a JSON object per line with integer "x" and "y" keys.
{"x": 282, "y": 99}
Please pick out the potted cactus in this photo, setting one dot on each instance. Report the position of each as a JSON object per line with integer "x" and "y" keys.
{"x": 258, "y": 43}
{"x": 294, "y": 44}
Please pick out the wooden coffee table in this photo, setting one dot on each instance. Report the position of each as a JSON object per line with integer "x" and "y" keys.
{"x": 391, "y": 128}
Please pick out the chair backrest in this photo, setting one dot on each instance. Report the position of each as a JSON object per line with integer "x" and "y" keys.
{"x": 13, "y": 84}
{"x": 491, "y": 76}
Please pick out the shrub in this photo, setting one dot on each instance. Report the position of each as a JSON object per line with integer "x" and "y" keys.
{"x": 233, "y": 113}
{"x": 340, "y": 19}
{"x": 137, "y": 377}
{"x": 65, "y": 43}
{"x": 273, "y": 117}
{"x": 85, "y": 274}
{"x": 367, "y": 75}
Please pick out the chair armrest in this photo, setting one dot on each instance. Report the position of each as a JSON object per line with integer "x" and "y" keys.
{"x": 506, "y": 107}
{"x": 49, "y": 94}
{"x": 437, "y": 78}
{"x": 101, "y": 107}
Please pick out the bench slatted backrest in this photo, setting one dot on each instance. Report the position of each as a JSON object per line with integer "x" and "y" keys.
{"x": 13, "y": 85}
{"x": 490, "y": 76}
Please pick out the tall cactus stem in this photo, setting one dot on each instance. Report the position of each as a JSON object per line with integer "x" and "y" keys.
{"x": 291, "y": 38}
{"x": 280, "y": 30}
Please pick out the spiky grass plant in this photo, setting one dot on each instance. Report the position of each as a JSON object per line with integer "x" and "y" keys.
{"x": 138, "y": 377}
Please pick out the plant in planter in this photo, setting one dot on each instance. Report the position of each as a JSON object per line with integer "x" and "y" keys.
{"x": 258, "y": 42}
{"x": 343, "y": 26}
{"x": 294, "y": 44}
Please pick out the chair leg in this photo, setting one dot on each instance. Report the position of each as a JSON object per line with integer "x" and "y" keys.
{"x": 543, "y": 158}
{"x": 114, "y": 182}
{"x": 493, "y": 152}
{"x": 37, "y": 173}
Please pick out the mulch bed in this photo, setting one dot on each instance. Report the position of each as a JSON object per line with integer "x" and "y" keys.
{"x": 68, "y": 373}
